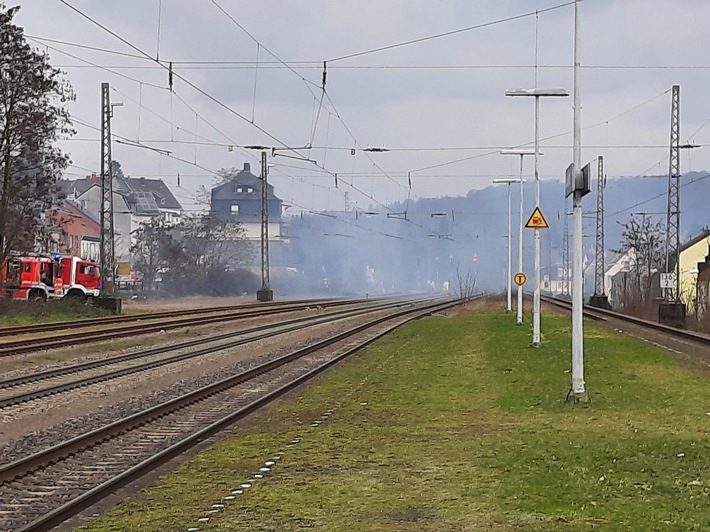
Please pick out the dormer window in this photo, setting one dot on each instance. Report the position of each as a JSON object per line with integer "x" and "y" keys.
{"x": 250, "y": 189}
{"x": 240, "y": 190}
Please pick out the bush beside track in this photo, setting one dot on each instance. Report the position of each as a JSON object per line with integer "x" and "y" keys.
{"x": 457, "y": 424}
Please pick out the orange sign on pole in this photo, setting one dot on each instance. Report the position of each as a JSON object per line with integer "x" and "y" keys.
{"x": 520, "y": 278}
{"x": 537, "y": 220}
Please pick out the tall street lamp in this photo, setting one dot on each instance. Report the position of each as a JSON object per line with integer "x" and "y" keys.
{"x": 509, "y": 182}
{"x": 537, "y": 94}
{"x": 522, "y": 153}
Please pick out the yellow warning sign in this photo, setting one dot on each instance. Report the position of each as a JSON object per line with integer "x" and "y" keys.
{"x": 537, "y": 220}
{"x": 520, "y": 278}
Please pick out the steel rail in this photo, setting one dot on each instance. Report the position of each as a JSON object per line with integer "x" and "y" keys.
{"x": 110, "y": 320}
{"x": 68, "y": 340}
{"x": 603, "y": 314}
{"x": 60, "y": 451}
{"x": 98, "y": 493}
{"x": 284, "y": 328}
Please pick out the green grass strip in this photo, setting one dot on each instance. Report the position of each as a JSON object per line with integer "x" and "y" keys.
{"x": 465, "y": 428}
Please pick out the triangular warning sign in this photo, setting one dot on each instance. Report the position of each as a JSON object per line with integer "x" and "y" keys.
{"x": 537, "y": 220}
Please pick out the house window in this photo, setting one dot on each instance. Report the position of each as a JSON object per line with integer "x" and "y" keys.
{"x": 235, "y": 208}
{"x": 250, "y": 190}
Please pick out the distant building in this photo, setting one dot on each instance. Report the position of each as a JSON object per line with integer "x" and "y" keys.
{"x": 135, "y": 201}
{"x": 146, "y": 198}
{"x": 693, "y": 254}
{"x": 616, "y": 278}
{"x": 239, "y": 200}
{"x": 72, "y": 232}
{"x": 153, "y": 197}
{"x": 702, "y": 297}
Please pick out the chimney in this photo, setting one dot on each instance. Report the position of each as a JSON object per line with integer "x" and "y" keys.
{"x": 95, "y": 180}
{"x": 247, "y": 167}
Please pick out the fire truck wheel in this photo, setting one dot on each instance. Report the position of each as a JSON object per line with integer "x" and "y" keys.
{"x": 75, "y": 296}
{"x": 37, "y": 295}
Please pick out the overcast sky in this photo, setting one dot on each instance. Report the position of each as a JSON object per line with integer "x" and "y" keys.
{"x": 437, "y": 105}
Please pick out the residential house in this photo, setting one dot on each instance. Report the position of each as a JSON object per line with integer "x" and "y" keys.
{"x": 692, "y": 253}
{"x": 73, "y": 232}
{"x": 154, "y": 194}
{"x": 124, "y": 220}
{"x": 702, "y": 302}
{"x": 239, "y": 200}
{"x": 616, "y": 278}
{"x": 135, "y": 201}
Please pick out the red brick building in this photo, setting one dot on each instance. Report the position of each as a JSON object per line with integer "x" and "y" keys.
{"x": 75, "y": 232}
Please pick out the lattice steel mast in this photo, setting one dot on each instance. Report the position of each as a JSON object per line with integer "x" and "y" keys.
{"x": 673, "y": 220}
{"x": 599, "y": 251}
{"x": 108, "y": 257}
{"x": 265, "y": 293}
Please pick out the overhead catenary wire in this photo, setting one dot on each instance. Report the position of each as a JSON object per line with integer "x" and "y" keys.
{"x": 91, "y": 63}
{"x": 449, "y": 33}
{"x": 201, "y": 91}
{"x": 334, "y": 174}
{"x": 189, "y": 83}
{"x": 317, "y": 64}
{"x": 179, "y": 76}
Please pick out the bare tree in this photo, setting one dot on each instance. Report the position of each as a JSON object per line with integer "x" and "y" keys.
{"x": 155, "y": 251}
{"x": 647, "y": 239}
{"x": 32, "y": 117}
{"x": 211, "y": 242}
{"x": 465, "y": 285}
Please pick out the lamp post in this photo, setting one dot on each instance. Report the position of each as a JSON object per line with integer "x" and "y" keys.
{"x": 522, "y": 153}
{"x": 537, "y": 94}
{"x": 509, "y": 182}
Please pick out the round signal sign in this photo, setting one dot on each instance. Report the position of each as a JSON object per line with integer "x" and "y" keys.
{"x": 520, "y": 278}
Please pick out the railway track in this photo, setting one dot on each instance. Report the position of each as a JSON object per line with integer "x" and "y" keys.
{"x": 52, "y": 382}
{"x": 42, "y": 490}
{"x": 124, "y": 318}
{"x": 606, "y": 315}
{"x": 112, "y": 331}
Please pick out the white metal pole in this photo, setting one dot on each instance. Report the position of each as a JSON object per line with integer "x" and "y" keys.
{"x": 536, "y": 294}
{"x": 519, "y": 320}
{"x": 578, "y": 388}
{"x": 509, "y": 308}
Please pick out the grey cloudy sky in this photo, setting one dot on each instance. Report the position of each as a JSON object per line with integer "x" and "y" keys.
{"x": 431, "y": 103}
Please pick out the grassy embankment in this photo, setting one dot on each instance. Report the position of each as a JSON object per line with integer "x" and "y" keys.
{"x": 465, "y": 428}
{"x": 15, "y": 313}
{"x": 22, "y": 313}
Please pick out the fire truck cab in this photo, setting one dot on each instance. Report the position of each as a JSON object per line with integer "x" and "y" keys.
{"x": 79, "y": 279}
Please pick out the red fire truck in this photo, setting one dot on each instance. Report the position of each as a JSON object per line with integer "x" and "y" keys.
{"x": 43, "y": 277}
{"x": 80, "y": 279}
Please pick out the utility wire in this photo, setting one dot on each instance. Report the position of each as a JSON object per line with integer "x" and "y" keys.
{"x": 318, "y": 65}
{"x": 182, "y": 78}
{"x": 43, "y": 40}
{"x": 272, "y": 54}
{"x": 95, "y": 65}
{"x": 453, "y": 32}
{"x": 544, "y": 139}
